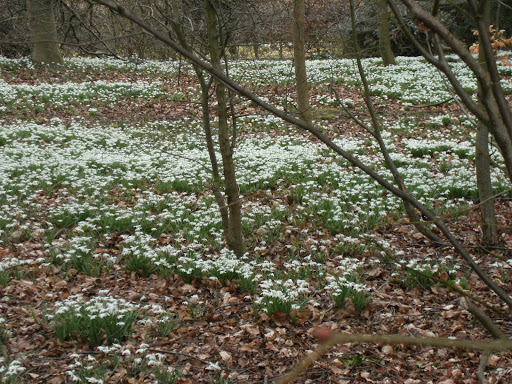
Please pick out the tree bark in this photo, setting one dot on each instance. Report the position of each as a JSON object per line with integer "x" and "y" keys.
{"x": 234, "y": 205}
{"x": 386, "y": 52}
{"x": 299, "y": 58}
{"x": 44, "y": 40}
{"x": 256, "y": 48}
{"x": 205, "y": 109}
{"x": 485, "y": 191}
{"x": 483, "y": 163}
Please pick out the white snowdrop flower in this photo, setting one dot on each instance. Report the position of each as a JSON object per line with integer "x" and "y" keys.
{"x": 142, "y": 348}
{"x": 94, "y": 380}
{"x": 73, "y": 376}
{"x": 213, "y": 367}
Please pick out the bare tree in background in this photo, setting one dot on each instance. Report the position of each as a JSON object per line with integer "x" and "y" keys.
{"x": 45, "y": 46}
{"x": 383, "y": 16}
{"x": 299, "y": 59}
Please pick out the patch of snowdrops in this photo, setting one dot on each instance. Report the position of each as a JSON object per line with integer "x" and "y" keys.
{"x": 139, "y": 181}
{"x": 97, "y": 367}
{"x": 78, "y": 186}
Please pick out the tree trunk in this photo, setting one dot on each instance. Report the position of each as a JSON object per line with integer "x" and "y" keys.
{"x": 483, "y": 165}
{"x": 485, "y": 191}
{"x": 256, "y": 48}
{"x": 205, "y": 109}
{"x": 234, "y": 235}
{"x": 44, "y": 40}
{"x": 299, "y": 58}
{"x": 388, "y": 58}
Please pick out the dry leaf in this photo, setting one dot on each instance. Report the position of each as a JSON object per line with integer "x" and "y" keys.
{"x": 225, "y": 356}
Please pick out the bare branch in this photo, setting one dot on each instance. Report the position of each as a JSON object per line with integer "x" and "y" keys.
{"x": 485, "y": 320}
{"x": 338, "y": 338}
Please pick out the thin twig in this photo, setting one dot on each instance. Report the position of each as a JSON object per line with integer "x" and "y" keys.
{"x": 168, "y": 352}
{"x": 451, "y": 98}
{"x": 352, "y": 116}
{"x": 485, "y": 320}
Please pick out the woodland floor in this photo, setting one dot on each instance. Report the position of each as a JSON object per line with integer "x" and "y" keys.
{"x": 248, "y": 345}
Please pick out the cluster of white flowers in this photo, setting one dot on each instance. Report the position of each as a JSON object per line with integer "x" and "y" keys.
{"x": 429, "y": 265}
{"x": 226, "y": 264}
{"x": 337, "y": 284}
{"x": 88, "y": 366}
{"x": 71, "y": 93}
{"x": 281, "y": 294}
{"x": 343, "y": 281}
{"x": 100, "y": 64}
{"x": 12, "y": 262}
{"x": 10, "y": 370}
{"x": 139, "y": 244}
{"x": 78, "y": 247}
{"x": 307, "y": 263}
{"x": 95, "y": 307}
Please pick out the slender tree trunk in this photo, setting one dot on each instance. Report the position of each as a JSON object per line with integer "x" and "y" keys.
{"x": 216, "y": 182}
{"x": 205, "y": 109}
{"x": 234, "y": 236}
{"x": 299, "y": 58}
{"x": 485, "y": 191}
{"x": 44, "y": 40}
{"x": 388, "y": 58}
{"x": 256, "y": 48}
{"x": 498, "y": 11}
{"x": 483, "y": 165}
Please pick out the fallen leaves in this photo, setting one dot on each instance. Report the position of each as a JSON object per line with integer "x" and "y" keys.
{"x": 253, "y": 347}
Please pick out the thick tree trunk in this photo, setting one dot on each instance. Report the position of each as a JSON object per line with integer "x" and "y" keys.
{"x": 234, "y": 235}
{"x": 388, "y": 58}
{"x": 483, "y": 166}
{"x": 299, "y": 58}
{"x": 44, "y": 40}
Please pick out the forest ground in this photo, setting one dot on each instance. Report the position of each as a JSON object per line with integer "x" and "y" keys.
{"x": 216, "y": 322}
